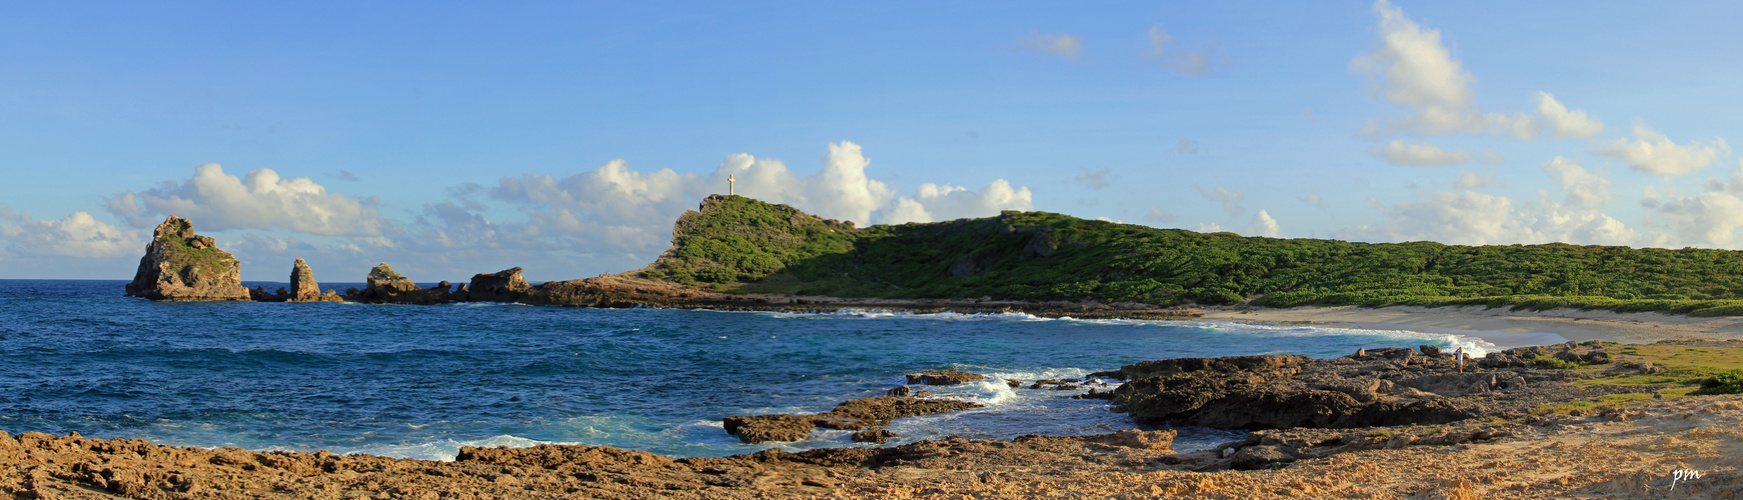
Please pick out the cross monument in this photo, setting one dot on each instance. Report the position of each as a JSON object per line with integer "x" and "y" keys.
{"x": 731, "y": 185}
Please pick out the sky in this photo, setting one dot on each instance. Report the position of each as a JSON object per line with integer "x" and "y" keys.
{"x": 449, "y": 139}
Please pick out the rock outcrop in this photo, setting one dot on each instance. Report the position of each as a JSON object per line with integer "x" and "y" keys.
{"x": 502, "y": 286}
{"x": 303, "y": 287}
{"x": 384, "y": 286}
{"x": 1376, "y": 387}
{"x": 181, "y": 265}
{"x": 854, "y": 415}
{"x": 943, "y": 377}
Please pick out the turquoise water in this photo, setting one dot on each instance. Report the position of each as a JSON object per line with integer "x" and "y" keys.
{"x": 421, "y": 381}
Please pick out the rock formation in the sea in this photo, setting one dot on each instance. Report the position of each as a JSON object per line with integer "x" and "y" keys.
{"x": 854, "y": 415}
{"x": 502, "y": 286}
{"x": 180, "y": 265}
{"x": 943, "y": 377}
{"x": 1385, "y": 386}
{"x": 384, "y": 286}
{"x": 303, "y": 287}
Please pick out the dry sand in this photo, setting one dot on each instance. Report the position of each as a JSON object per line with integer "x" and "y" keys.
{"x": 1502, "y": 326}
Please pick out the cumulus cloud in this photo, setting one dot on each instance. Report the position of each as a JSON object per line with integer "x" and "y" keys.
{"x": 1399, "y": 152}
{"x": 77, "y": 235}
{"x": 1210, "y": 227}
{"x": 1566, "y": 123}
{"x": 1472, "y": 180}
{"x": 1069, "y": 47}
{"x": 1653, "y": 153}
{"x": 1230, "y": 200}
{"x": 1413, "y": 68}
{"x": 1473, "y": 218}
{"x": 1158, "y": 215}
{"x": 1263, "y": 225}
{"x": 1094, "y": 179}
{"x": 262, "y": 200}
{"x": 620, "y": 211}
{"x": 1198, "y": 61}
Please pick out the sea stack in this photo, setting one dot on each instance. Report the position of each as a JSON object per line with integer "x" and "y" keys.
{"x": 304, "y": 288}
{"x": 181, "y": 265}
{"x": 502, "y": 286}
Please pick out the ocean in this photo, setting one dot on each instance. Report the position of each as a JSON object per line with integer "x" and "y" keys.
{"x": 422, "y": 381}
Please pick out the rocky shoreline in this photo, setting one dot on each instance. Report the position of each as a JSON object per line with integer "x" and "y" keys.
{"x": 1379, "y": 422}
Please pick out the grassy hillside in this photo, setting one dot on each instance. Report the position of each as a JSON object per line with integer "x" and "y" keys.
{"x": 740, "y": 244}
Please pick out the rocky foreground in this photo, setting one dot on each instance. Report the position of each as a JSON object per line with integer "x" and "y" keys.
{"x": 1631, "y": 453}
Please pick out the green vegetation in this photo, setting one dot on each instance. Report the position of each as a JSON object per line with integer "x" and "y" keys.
{"x": 748, "y": 246}
{"x": 1548, "y": 362}
{"x": 1730, "y": 382}
{"x": 208, "y": 261}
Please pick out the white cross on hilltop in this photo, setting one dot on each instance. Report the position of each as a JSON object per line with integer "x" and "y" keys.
{"x": 731, "y": 185}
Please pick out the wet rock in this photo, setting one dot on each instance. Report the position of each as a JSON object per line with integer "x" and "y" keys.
{"x": 1430, "y": 350}
{"x": 943, "y": 377}
{"x": 776, "y": 427}
{"x": 1254, "y": 457}
{"x": 899, "y": 391}
{"x": 180, "y": 265}
{"x": 852, "y": 415}
{"x": 877, "y": 435}
{"x": 1162, "y": 440}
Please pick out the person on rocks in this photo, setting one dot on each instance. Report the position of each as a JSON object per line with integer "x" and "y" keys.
{"x": 1459, "y": 354}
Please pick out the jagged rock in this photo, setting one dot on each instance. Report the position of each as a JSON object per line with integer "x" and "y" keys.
{"x": 852, "y": 415}
{"x": 1253, "y": 457}
{"x": 259, "y": 294}
{"x": 877, "y": 435}
{"x": 899, "y": 391}
{"x": 1260, "y": 392}
{"x": 302, "y": 280}
{"x": 384, "y": 286}
{"x": 180, "y": 265}
{"x": 502, "y": 286}
{"x": 943, "y": 377}
{"x": 1431, "y": 350}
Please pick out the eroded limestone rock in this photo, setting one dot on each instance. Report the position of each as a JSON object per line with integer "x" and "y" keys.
{"x": 180, "y": 265}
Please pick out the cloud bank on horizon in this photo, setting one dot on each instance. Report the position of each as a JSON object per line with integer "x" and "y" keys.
{"x": 615, "y": 217}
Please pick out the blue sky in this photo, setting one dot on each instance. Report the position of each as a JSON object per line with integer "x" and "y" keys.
{"x": 450, "y": 139}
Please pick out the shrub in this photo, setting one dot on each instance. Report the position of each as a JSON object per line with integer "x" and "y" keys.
{"x": 1730, "y": 382}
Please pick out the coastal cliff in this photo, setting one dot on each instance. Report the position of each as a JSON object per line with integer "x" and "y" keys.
{"x": 181, "y": 265}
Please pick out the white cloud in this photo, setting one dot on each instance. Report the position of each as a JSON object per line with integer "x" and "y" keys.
{"x": 1230, "y": 200}
{"x": 1263, "y": 225}
{"x": 1094, "y": 179}
{"x": 1585, "y": 190}
{"x": 938, "y": 202}
{"x": 1414, "y": 69}
{"x": 77, "y": 235}
{"x": 1653, "y": 153}
{"x": 1196, "y": 62}
{"x": 615, "y": 210}
{"x": 1472, "y": 180}
{"x": 1473, "y": 218}
{"x": 1566, "y": 123}
{"x": 1313, "y": 198}
{"x": 1399, "y": 152}
{"x": 1158, "y": 215}
{"x": 217, "y": 201}
{"x": 1211, "y": 227}
{"x": 1067, "y": 46}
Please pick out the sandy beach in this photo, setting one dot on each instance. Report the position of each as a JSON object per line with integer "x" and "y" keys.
{"x": 1502, "y": 326}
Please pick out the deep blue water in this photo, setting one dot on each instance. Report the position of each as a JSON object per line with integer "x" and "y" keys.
{"x": 421, "y": 381}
